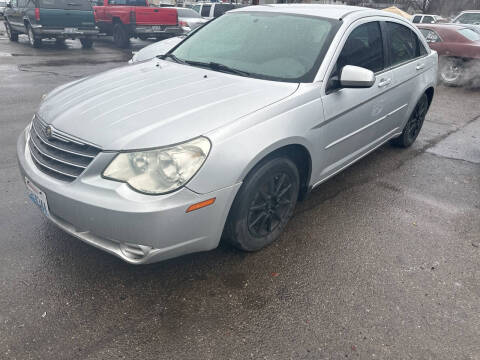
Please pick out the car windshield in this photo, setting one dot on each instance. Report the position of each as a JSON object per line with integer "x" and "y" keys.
{"x": 469, "y": 34}
{"x": 469, "y": 18}
{"x": 188, "y": 13}
{"x": 274, "y": 46}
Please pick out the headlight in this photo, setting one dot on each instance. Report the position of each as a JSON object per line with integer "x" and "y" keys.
{"x": 162, "y": 170}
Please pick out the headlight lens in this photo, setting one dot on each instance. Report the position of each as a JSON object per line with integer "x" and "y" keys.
{"x": 162, "y": 170}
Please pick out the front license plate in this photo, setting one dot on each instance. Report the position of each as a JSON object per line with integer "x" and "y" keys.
{"x": 38, "y": 197}
{"x": 70, "y": 30}
{"x": 157, "y": 28}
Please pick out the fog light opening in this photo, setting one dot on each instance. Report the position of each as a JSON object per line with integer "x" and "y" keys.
{"x": 135, "y": 252}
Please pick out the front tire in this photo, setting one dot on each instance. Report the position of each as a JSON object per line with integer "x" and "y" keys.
{"x": 34, "y": 41}
{"x": 120, "y": 36}
{"x": 12, "y": 35}
{"x": 414, "y": 124}
{"x": 263, "y": 205}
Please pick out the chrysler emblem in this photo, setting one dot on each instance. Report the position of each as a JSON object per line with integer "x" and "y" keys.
{"x": 48, "y": 132}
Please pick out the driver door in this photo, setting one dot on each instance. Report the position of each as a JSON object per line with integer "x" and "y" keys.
{"x": 356, "y": 120}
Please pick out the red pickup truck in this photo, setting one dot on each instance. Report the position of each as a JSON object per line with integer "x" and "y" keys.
{"x": 135, "y": 18}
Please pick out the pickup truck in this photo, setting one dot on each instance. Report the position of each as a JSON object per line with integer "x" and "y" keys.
{"x": 51, "y": 19}
{"x": 135, "y": 18}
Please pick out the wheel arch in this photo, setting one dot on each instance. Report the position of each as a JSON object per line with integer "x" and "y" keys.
{"x": 430, "y": 92}
{"x": 296, "y": 151}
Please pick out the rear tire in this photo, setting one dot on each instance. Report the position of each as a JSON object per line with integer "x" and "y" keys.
{"x": 263, "y": 205}
{"x": 120, "y": 36}
{"x": 87, "y": 43}
{"x": 34, "y": 41}
{"x": 143, "y": 37}
{"x": 414, "y": 124}
{"x": 12, "y": 35}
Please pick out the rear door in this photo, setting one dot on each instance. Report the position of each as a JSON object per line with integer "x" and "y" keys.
{"x": 356, "y": 120}
{"x": 408, "y": 61}
{"x": 66, "y": 13}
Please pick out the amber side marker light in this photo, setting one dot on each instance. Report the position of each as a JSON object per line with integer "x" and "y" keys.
{"x": 201, "y": 205}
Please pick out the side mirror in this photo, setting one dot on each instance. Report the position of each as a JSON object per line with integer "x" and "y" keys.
{"x": 356, "y": 77}
{"x": 9, "y": 5}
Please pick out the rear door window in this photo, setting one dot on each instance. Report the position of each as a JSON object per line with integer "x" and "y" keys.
{"x": 404, "y": 44}
{"x": 65, "y": 4}
{"x": 206, "y": 10}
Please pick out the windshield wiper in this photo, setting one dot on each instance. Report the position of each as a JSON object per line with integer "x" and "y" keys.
{"x": 173, "y": 57}
{"x": 218, "y": 67}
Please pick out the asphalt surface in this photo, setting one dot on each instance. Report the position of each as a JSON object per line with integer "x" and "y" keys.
{"x": 380, "y": 262}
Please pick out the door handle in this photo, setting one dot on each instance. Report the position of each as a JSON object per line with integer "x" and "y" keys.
{"x": 384, "y": 82}
{"x": 420, "y": 66}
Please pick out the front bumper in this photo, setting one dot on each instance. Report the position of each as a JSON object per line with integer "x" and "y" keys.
{"x": 138, "y": 228}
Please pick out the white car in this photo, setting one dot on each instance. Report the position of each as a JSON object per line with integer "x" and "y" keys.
{"x": 426, "y": 19}
{"x": 155, "y": 49}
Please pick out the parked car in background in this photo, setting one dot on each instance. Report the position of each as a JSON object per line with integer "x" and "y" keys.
{"x": 47, "y": 19}
{"x": 471, "y": 17}
{"x": 225, "y": 133}
{"x": 213, "y": 10}
{"x": 189, "y": 19}
{"x": 427, "y": 19}
{"x": 3, "y": 6}
{"x": 459, "y": 49}
{"x": 124, "y": 19}
{"x": 156, "y": 49}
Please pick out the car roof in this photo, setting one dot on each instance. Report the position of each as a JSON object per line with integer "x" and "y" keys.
{"x": 320, "y": 10}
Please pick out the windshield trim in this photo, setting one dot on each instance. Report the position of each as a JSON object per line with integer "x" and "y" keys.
{"x": 308, "y": 77}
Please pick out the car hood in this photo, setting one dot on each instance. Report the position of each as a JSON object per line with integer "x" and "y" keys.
{"x": 155, "y": 103}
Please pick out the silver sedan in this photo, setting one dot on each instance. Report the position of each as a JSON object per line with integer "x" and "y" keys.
{"x": 221, "y": 136}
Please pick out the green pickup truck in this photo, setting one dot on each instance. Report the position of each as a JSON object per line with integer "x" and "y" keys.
{"x": 57, "y": 19}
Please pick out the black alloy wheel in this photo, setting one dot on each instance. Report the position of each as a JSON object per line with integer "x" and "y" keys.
{"x": 264, "y": 204}
{"x": 414, "y": 124}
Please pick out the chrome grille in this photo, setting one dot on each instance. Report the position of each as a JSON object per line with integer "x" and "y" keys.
{"x": 57, "y": 154}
